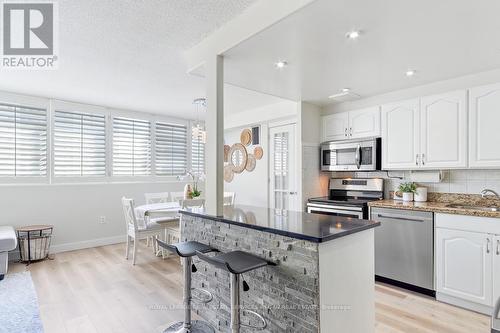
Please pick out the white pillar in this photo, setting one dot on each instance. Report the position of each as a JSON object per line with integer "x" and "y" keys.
{"x": 214, "y": 148}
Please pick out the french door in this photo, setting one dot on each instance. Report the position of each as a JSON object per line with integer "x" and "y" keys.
{"x": 283, "y": 184}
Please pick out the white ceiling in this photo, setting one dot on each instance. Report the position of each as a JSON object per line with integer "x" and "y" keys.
{"x": 129, "y": 54}
{"x": 440, "y": 39}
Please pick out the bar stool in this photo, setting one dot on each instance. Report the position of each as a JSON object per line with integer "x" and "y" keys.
{"x": 186, "y": 250}
{"x": 237, "y": 263}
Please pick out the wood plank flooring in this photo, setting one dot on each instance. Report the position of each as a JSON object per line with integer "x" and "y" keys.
{"x": 96, "y": 290}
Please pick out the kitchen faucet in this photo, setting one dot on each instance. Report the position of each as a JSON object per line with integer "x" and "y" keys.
{"x": 486, "y": 191}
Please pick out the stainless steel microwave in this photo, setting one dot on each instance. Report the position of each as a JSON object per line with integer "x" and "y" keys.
{"x": 352, "y": 155}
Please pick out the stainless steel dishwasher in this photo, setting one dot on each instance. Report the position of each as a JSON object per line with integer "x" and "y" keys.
{"x": 404, "y": 248}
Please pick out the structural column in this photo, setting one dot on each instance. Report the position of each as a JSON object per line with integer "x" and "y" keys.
{"x": 214, "y": 149}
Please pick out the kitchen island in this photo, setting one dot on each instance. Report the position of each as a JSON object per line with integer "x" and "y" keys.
{"x": 323, "y": 281}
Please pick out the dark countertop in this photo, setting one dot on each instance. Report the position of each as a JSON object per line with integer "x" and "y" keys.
{"x": 311, "y": 227}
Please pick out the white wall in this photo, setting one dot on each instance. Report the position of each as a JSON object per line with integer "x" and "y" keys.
{"x": 74, "y": 209}
{"x": 252, "y": 188}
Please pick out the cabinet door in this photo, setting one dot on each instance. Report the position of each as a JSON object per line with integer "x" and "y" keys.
{"x": 335, "y": 126}
{"x": 464, "y": 265}
{"x": 400, "y": 124}
{"x": 364, "y": 123}
{"x": 484, "y": 136}
{"x": 496, "y": 269}
{"x": 443, "y": 130}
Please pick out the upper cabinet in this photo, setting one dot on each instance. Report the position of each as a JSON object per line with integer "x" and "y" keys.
{"x": 400, "y": 144}
{"x": 351, "y": 125}
{"x": 484, "y": 133}
{"x": 443, "y": 130}
{"x": 335, "y": 127}
{"x": 426, "y": 133}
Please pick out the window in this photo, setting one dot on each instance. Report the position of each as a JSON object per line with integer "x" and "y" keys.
{"x": 131, "y": 147}
{"x": 198, "y": 153}
{"x": 23, "y": 141}
{"x": 170, "y": 149}
{"x": 79, "y": 144}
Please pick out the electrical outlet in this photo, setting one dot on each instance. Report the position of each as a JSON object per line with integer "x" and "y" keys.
{"x": 102, "y": 219}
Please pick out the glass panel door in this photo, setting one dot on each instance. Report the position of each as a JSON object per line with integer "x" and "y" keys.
{"x": 283, "y": 194}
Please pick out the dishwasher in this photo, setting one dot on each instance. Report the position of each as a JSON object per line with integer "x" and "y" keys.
{"x": 404, "y": 248}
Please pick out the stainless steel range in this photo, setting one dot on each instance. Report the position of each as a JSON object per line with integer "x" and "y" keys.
{"x": 348, "y": 197}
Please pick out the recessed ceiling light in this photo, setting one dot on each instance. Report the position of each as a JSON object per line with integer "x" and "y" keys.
{"x": 353, "y": 34}
{"x": 280, "y": 64}
{"x": 410, "y": 72}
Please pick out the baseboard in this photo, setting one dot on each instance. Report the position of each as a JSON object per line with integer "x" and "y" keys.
{"x": 484, "y": 309}
{"x": 87, "y": 244}
{"x": 14, "y": 255}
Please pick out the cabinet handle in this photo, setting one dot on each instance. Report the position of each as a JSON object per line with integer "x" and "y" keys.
{"x": 346, "y": 132}
{"x": 498, "y": 247}
{"x": 423, "y": 159}
{"x": 350, "y": 130}
{"x": 416, "y": 160}
{"x": 488, "y": 245}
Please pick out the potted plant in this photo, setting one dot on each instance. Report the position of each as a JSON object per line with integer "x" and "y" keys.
{"x": 408, "y": 189}
{"x": 193, "y": 191}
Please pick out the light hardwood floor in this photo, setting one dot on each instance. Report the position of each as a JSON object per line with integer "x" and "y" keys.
{"x": 96, "y": 290}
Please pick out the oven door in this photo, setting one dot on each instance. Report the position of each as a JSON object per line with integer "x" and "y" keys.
{"x": 350, "y": 156}
{"x": 344, "y": 211}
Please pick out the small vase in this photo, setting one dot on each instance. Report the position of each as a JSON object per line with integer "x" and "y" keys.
{"x": 407, "y": 196}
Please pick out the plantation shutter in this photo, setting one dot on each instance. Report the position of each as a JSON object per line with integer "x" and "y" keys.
{"x": 79, "y": 144}
{"x": 23, "y": 141}
{"x": 170, "y": 149}
{"x": 131, "y": 147}
{"x": 197, "y": 154}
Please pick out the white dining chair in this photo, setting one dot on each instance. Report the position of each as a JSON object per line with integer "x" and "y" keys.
{"x": 160, "y": 197}
{"x": 176, "y": 196}
{"x": 136, "y": 232}
{"x": 229, "y": 198}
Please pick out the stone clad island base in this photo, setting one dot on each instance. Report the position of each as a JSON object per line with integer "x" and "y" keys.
{"x": 315, "y": 287}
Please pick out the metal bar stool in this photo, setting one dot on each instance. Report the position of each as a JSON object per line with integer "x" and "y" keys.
{"x": 186, "y": 250}
{"x": 237, "y": 263}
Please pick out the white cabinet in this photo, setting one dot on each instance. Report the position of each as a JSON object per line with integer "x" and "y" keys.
{"x": 484, "y": 135}
{"x": 356, "y": 124}
{"x": 335, "y": 127}
{"x": 464, "y": 265}
{"x": 400, "y": 145}
{"x": 364, "y": 123}
{"x": 426, "y": 133}
{"x": 443, "y": 130}
{"x": 496, "y": 268}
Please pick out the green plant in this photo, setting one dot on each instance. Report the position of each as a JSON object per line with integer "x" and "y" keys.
{"x": 409, "y": 187}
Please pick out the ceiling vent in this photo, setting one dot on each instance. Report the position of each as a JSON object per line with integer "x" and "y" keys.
{"x": 344, "y": 96}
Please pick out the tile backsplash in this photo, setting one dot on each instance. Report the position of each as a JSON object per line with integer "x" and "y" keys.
{"x": 454, "y": 181}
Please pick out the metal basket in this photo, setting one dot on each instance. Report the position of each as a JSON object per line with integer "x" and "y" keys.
{"x": 36, "y": 246}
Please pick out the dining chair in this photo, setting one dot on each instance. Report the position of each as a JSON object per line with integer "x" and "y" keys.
{"x": 160, "y": 197}
{"x": 176, "y": 196}
{"x": 136, "y": 232}
{"x": 229, "y": 198}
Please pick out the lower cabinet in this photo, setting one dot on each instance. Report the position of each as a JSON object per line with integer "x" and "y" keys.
{"x": 465, "y": 265}
{"x": 467, "y": 261}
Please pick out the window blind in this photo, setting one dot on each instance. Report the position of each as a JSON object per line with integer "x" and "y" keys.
{"x": 79, "y": 144}
{"x": 170, "y": 149}
{"x": 197, "y": 154}
{"x": 131, "y": 147}
{"x": 23, "y": 141}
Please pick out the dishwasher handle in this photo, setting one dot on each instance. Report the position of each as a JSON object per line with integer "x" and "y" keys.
{"x": 398, "y": 218}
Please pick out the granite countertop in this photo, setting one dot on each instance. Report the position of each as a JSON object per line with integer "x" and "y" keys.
{"x": 311, "y": 227}
{"x": 439, "y": 207}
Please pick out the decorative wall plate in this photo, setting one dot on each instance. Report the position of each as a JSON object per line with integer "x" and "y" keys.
{"x": 227, "y": 148}
{"x": 250, "y": 163}
{"x": 238, "y": 157}
{"x": 228, "y": 174}
{"x": 246, "y": 137}
{"x": 258, "y": 152}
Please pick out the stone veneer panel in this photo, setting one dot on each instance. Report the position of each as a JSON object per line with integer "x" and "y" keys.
{"x": 287, "y": 295}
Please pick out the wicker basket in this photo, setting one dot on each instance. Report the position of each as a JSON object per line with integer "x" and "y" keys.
{"x": 39, "y": 245}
